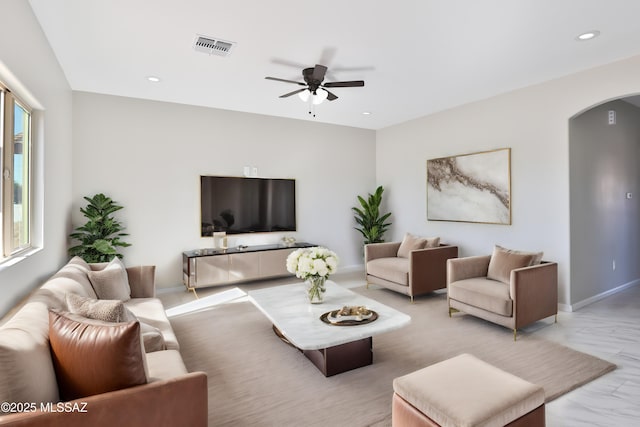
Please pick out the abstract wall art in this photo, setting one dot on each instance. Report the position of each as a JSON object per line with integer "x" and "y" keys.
{"x": 470, "y": 187}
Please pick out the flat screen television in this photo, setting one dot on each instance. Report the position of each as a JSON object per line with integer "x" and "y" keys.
{"x": 247, "y": 205}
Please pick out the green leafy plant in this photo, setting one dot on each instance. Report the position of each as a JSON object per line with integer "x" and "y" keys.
{"x": 372, "y": 224}
{"x": 100, "y": 237}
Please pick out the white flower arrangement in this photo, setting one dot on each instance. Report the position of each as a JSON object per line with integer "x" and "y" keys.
{"x": 313, "y": 262}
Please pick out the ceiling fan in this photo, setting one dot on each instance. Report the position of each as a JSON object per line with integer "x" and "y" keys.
{"x": 314, "y": 88}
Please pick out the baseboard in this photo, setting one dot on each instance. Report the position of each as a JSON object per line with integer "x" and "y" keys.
{"x": 598, "y": 297}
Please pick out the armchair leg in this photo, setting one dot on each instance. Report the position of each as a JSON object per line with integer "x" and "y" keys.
{"x": 556, "y": 318}
{"x": 515, "y": 331}
{"x": 367, "y": 287}
{"x": 411, "y": 296}
{"x": 452, "y": 310}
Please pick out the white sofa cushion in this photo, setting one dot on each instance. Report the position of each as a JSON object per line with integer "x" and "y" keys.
{"x": 26, "y": 368}
{"x": 111, "y": 282}
{"x": 76, "y": 270}
{"x": 164, "y": 365}
{"x": 483, "y": 293}
{"x": 151, "y": 312}
{"x": 393, "y": 269}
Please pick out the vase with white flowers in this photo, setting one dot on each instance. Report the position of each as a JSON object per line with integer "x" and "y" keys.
{"x": 313, "y": 265}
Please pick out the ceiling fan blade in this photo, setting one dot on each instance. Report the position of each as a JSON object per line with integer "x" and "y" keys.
{"x": 331, "y": 96}
{"x": 354, "y": 83}
{"x": 292, "y": 93}
{"x": 318, "y": 72}
{"x": 286, "y": 81}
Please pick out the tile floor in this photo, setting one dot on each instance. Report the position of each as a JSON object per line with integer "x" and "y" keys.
{"x": 609, "y": 329}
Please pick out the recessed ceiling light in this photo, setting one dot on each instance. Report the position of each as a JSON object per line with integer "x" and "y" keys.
{"x": 588, "y": 35}
{"x": 366, "y": 113}
{"x": 153, "y": 79}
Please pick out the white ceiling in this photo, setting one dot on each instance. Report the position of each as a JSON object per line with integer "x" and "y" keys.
{"x": 416, "y": 56}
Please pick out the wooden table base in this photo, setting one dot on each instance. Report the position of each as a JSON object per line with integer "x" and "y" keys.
{"x": 340, "y": 358}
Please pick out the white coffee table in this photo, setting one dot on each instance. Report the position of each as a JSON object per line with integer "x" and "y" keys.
{"x": 333, "y": 349}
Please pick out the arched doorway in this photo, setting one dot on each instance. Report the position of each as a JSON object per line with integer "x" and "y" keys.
{"x": 604, "y": 181}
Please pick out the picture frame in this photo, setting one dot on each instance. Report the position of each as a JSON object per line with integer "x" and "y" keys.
{"x": 474, "y": 187}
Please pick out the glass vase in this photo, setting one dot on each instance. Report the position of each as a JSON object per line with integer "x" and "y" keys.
{"x": 316, "y": 289}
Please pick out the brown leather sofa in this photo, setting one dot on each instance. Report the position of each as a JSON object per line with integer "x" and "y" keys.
{"x": 512, "y": 297}
{"x": 28, "y": 383}
{"x": 419, "y": 272}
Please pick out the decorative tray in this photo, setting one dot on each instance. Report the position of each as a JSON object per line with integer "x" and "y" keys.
{"x": 349, "y": 316}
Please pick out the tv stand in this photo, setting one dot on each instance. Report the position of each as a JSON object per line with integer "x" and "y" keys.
{"x": 218, "y": 267}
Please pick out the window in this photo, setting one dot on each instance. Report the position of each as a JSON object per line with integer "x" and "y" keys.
{"x": 15, "y": 162}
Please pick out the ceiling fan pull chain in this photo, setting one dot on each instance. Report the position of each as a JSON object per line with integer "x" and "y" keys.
{"x": 312, "y": 106}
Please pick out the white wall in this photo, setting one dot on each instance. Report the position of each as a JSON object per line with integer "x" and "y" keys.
{"x": 534, "y": 123}
{"x": 149, "y": 155}
{"x": 605, "y": 225}
{"x": 29, "y": 66}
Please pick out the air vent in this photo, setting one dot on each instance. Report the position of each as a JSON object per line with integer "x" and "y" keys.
{"x": 213, "y": 46}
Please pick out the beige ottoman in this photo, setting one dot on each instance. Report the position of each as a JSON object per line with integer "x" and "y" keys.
{"x": 465, "y": 391}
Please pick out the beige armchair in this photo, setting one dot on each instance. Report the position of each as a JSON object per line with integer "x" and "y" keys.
{"x": 409, "y": 271}
{"x": 501, "y": 290}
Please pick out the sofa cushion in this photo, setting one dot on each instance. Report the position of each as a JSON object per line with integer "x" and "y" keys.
{"x": 152, "y": 338}
{"x": 71, "y": 278}
{"x": 537, "y": 256}
{"x": 504, "y": 260}
{"x": 92, "y": 357}
{"x": 107, "y": 310}
{"x": 77, "y": 270}
{"x": 26, "y": 369}
{"x": 432, "y": 242}
{"x": 164, "y": 365}
{"x": 392, "y": 269}
{"x": 111, "y": 282}
{"x": 410, "y": 243}
{"x": 483, "y": 293}
{"x": 151, "y": 311}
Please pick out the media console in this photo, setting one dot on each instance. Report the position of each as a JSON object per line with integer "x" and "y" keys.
{"x": 211, "y": 267}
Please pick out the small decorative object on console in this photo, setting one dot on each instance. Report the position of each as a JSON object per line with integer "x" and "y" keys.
{"x": 314, "y": 265}
{"x": 288, "y": 241}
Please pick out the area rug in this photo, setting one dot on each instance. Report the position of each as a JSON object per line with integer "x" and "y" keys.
{"x": 255, "y": 379}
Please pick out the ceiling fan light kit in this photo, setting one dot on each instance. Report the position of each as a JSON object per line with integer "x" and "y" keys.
{"x": 315, "y": 91}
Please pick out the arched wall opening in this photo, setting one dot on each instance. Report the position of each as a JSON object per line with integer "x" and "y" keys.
{"x": 604, "y": 182}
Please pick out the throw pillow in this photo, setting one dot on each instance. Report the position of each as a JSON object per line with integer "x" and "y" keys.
{"x": 504, "y": 260}
{"x": 152, "y": 338}
{"x": 410, "y": 243}
{"x": 111, "y": 282}
{"x": 432, "y": 242}
{"x": 537, "y": 256}
{"x": 92, "y": 357}
{"x": 26, "y": 370}
{"x": 106, "y": 310}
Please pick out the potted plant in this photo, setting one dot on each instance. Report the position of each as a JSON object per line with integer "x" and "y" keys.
{"x": 372, "y": 224}
{"x": 99, "y": 237}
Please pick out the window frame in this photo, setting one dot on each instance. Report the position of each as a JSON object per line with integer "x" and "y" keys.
{"x": 8, "y": 102}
